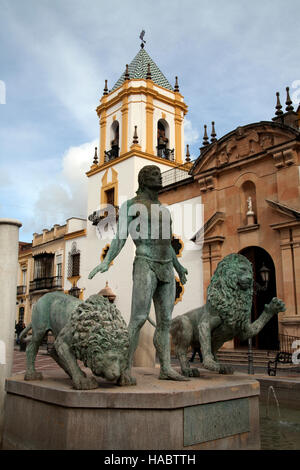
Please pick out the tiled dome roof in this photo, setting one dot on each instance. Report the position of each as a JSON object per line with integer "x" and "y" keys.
{"x": 138, "y": 69}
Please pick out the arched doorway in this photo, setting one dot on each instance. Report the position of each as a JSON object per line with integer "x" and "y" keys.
{"x": 262, "y": 294}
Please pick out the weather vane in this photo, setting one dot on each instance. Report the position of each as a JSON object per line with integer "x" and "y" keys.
{"x": 142, "y": 38}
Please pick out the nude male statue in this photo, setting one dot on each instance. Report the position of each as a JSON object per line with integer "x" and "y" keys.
{"x": 149, "y": 224}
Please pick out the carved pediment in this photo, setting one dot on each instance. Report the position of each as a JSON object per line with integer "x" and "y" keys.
{"x": 209, "y": 228}
{"x": 283, "y": 209}
{"x": 242, "y": 143}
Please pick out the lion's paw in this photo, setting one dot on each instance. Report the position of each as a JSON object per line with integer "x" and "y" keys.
{"x": 85, "y": 383}
{"x": 126, "y": 379}
{"x": 275, "y": 306}
{"x": 191, "y": 372}
{"x": 226, "y": 369}
{"x": 212, "y": 365}
{"x": 194, "y": 372}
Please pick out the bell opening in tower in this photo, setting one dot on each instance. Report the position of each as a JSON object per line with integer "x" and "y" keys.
{"x": 162, "y": 139}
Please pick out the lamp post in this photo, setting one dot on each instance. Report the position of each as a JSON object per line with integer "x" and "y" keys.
{"x": 265, "y": 275}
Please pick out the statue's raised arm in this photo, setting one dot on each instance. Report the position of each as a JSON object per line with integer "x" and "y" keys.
{"x": 117, "y": 243}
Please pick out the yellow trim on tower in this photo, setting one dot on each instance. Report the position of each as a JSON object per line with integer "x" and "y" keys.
{"x": 127, "y": 90}
{"x": 132, "y": 153}
{"x": 102, "y": 136}
{"x": 114, "y": 184}
{"x": 178, "y": 140}
{"x": 149, "y": 119}
{"x": 73, "y": 280}
{"x": 124, "y": 111}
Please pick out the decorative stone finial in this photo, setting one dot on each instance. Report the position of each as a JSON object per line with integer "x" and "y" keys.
{"x": 105, "y": 89}
{"x": 205, "y": 137}
{"x": 289, "y": 103}
{"x": 148, "y": 76}
{"x": 135, "y": 136}
{"x": 187, "y": 158}
{"x": 95, "y": 161}
{"x": 127, "y": 72}
{"x": 213, "y": 132}
{"x": 176, "y": 87}
{"x": 278, "y": 105}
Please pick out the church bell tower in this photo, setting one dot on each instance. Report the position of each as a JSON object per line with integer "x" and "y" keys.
{"x": 141, "y": 123}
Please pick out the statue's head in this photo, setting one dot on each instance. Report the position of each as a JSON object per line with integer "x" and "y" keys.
{"x": 230, "y": 290}
{"x": 100, "y": 337}
{"x": 108, "y": 364}
{"x": 150, "y": 177}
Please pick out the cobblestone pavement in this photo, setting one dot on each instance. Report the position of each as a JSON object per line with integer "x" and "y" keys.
{"x": 43, "y": 362}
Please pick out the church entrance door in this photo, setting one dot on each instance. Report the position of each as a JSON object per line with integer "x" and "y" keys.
{"x": 262, "y": 294}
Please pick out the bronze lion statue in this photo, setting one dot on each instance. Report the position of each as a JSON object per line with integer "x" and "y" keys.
{"x": 92, "y": 331}
{"x": 226, "y": 314}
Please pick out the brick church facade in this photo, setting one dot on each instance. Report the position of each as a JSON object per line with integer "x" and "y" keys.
{"x": 249, "y": 182}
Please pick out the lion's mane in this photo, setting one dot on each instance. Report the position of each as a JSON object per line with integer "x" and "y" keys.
{"x": 224, "y": 294}
{"x": 97, "y": 326}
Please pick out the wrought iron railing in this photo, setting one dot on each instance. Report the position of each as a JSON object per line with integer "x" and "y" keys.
{"x": 286, "y": 343}
{"x": 21, "y": 290}
{"x": 166, "y": 153}
{"x": 112, "y": 153}
{"x": 47, "y": 283}
{"x": 175, "y": 175}
{"x": 287, "y": 346}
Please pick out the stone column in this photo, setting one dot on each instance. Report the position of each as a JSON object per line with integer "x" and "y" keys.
{"x": 9, "y": 239}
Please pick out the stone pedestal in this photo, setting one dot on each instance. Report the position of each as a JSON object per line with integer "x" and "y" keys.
{"x": 250, "y": 218}
{"x": 210, "y": 412}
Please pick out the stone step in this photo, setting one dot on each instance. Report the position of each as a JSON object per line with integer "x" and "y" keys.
{"x": 244, "y": 358}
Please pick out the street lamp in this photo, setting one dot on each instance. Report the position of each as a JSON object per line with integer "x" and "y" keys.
{"x": 265, "y": 274}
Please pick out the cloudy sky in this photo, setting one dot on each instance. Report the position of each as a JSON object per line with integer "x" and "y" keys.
{"x": 230, "y": 56}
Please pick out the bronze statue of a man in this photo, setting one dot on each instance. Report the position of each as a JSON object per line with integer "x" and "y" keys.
{"x": 149, "y": 224}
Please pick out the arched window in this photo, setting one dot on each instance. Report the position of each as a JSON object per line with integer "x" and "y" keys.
{"x": 114, "y": 142}
{"x": 74, "y": 261}
{"x": 163, "y": 148}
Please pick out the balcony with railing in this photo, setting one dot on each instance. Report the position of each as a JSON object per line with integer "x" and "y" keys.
{"x": 176, "y": 175}
{"x": 46, "y": 283}
{"x": 21, "y": 290}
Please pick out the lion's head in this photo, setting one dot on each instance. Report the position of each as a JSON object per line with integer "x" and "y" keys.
{"x": 100, "y": 337}
{"x": 231, "y": 289}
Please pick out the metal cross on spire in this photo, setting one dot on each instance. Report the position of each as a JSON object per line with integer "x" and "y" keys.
{"x": 142, "y": 38}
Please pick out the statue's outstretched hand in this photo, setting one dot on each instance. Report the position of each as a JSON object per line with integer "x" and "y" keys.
{"x": 100, "y": 268}
{"x": 182, "y": 273}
